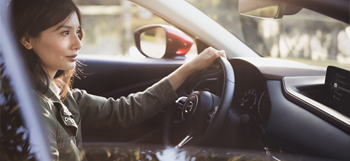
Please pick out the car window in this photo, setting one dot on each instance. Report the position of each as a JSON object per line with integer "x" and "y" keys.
{"x": 109, "y": 27}
{"x": 21, "y": 132}
{"x": 307, "y": 37}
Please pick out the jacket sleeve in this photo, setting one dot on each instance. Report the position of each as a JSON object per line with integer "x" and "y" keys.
{"x": 99, "y": 112}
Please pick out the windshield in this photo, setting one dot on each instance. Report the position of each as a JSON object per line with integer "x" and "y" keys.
{"x": 307, "y": 37}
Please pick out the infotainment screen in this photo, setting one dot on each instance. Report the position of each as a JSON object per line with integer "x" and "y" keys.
{"x": 338, "y": 89}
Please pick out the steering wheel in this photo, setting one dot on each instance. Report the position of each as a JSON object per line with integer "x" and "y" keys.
{"x": 203, "y": 113}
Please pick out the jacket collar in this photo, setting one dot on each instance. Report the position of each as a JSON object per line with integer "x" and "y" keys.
{"x": 48, "y": 93}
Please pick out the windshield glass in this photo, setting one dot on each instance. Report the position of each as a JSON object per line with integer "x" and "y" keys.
{"x": 307, "y": 37}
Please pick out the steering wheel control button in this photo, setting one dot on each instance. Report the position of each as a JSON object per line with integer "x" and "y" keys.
{"x": 190, "y": 106}
{"x": 181, "y": 102}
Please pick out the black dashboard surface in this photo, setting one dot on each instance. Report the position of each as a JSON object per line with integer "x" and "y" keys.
{"x": 286, "y": 123}
{"x": 251, "y": 96}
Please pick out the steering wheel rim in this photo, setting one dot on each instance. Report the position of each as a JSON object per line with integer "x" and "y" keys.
{"x": 220, "y": 115}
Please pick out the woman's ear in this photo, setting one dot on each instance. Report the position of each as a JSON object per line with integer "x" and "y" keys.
{"x": 25, "y": 41}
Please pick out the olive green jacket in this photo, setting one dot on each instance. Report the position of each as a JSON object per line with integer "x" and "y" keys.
{"x": 64, "y": 120}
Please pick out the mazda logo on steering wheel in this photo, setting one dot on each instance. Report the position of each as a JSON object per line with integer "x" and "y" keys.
{"x": 189, "y": 107}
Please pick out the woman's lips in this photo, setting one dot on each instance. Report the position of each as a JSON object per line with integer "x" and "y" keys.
{"x": 72, "y": 58}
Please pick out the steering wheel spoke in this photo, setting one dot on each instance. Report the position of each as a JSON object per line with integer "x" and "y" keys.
{"x": 184, "y": 141}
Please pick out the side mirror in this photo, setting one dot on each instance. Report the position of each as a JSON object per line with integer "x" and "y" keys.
{"x": 161, "y": 41}
{"x": 267, "y": 8}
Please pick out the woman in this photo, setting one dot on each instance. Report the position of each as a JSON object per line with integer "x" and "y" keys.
{"x": 49, "y": 33}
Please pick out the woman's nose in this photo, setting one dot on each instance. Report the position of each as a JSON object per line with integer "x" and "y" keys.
{"x": 77, "y": 44}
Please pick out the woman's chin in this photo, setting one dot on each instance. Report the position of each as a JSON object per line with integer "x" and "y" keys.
{"x": 70, "y": 66}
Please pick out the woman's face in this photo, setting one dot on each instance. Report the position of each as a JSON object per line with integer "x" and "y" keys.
{"x": 58, "y": 46}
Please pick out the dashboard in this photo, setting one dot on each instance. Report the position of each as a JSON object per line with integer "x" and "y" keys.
{"x": 251, "y": 95}
{"x": 278, "y": 107}
{"x": 269, "y": 116}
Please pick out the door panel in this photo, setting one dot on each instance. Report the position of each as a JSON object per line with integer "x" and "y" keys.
{"x": 116, "y": 77}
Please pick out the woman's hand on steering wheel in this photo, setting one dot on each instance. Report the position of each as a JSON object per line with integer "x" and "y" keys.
{"x": 203, "y": 60}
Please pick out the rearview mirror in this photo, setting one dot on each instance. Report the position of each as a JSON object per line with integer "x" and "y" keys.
{"x": 161, "y": 41}
{"x": 267, "y": 8}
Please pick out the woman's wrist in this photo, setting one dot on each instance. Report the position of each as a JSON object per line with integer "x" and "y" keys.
{"x": 179, "y": 76}
{"x": 189, "y": 68}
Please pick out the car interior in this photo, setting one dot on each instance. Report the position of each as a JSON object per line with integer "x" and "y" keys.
{"x": 273, "y": 106}
{"x": 278, "y": 107}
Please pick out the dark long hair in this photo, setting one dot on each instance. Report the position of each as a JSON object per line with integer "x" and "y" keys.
{"x": 30, "y": 18}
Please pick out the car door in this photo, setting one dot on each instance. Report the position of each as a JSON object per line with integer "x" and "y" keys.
{"x": 116, "y": 77}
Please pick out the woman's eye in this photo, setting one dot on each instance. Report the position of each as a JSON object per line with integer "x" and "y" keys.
{"x": 65, "y": 32}
{"x": 79, "y": 31}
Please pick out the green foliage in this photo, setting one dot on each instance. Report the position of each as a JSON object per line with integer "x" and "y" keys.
{"x": 14, "y": 140}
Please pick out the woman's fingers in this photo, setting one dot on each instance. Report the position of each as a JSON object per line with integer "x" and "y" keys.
{"x": 216, "y": 53}
{"x": 222, "y": 53}
{"x": 207, "y": 57}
